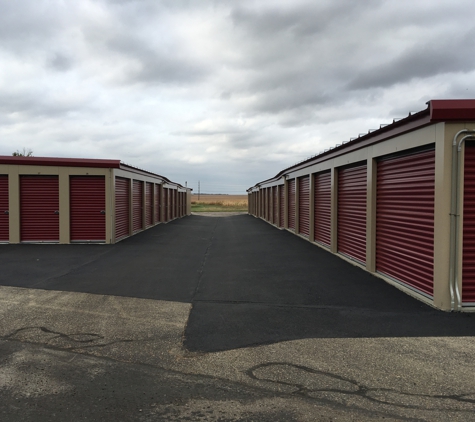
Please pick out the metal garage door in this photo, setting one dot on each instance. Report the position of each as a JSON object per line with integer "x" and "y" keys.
{"x": 281, "y": 206}
{"x": 291, "y": 204}
{"x": 173, "y": 192}
{"x": 405, "y": 219}
{"x": 180, "y": 202}
{"x": 39, "y": 209}
{"x": 352, "y": 212}
{"x": 165, "y": 204}
{"x": 269, "y": 205}
{"x": 122, "y": 207}
{"x": 4, "y": 217}
{"x": 87, "y": 199}
{"x": 322, "y": 204}
{"x": 262, "y": 202}
{"x": 158, "y": 203}
{"x": 137, "y": 198}
{"x": 468, "y": 265}
{"x": 275, "y": 204}
{"x": 304, "y": 205}
{"x": 148, "y": 203}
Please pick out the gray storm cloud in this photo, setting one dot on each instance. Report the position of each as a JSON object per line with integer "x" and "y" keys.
{"x": 216, "y": 89}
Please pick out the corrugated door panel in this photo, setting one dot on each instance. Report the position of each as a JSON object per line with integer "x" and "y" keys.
{"x": 275, "y": 204}
{"x": 4, "y": 210}
{"x": 39, "y": 208}
{"x": 148, "y": 203}
{"x": 269, "y": 205}
{"x": 122, "y": 207}
{"x": 261, "y": 202}
{"x": 291, "y": 205}
{"x": 304, "y": 205}
{"x": 405, "y": 219}
{"x": 157, "y": 203}
{"x": 322, "y": 216}
{"x": 137, "y": 205}
{"x": 166, "y": 204}
{"x": 87, "y": 207}
{"x": 468, "y": 265}
{"x": 352, "y": 212}
{"x": 281, "y": 205}
{"x": 174, "y": 203}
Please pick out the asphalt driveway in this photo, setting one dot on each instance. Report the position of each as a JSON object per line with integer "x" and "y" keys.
{"x": 248, "y": 284}
{"x": 221, "y": 319}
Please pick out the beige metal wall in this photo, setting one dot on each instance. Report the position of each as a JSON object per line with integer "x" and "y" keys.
{"x": 441, "y": 136}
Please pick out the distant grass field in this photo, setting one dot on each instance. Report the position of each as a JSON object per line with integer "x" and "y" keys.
{"x": 219, "y": 203}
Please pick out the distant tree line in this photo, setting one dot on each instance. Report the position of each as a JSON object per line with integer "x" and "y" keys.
{"x": 25, "y": 153}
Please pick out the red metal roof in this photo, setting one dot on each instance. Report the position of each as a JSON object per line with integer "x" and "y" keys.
{"x": 60, "y": 162}
{"x": 444, "y": 110}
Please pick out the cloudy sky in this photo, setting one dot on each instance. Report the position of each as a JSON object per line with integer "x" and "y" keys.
{"x": 227, "y": 93}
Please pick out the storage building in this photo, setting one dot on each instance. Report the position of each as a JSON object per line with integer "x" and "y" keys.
{"x": 398, "y": 201}
{"x": 67, "y": 200}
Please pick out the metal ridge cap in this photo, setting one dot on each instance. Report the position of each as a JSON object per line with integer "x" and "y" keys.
{"x": 60, "y": 161}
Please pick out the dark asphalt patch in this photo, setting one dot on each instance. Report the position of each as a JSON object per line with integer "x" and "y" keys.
{"x": 161, "y": 263}
{"x": 214, "y": 327}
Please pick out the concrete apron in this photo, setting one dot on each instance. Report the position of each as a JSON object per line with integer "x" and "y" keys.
{"x": 428, "y": 378}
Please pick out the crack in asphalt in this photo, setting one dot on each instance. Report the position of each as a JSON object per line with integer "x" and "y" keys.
{"x": 358, "y": 390}
{"x": 354, "y": 388}
{"x": 74, "y": 337}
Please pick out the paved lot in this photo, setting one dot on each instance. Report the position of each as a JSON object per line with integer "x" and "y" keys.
{"x": 221, "y": 319}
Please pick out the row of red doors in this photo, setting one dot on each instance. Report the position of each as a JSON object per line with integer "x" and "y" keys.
{"x": 174, "y": 205}
{"x": 39, "y": 208}
{"x": 404, "y": 216}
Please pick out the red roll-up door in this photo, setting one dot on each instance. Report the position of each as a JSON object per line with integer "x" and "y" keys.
{"x": 181, "y": 204}
{"x": 269, "y": 205}
{"x": 291, "y": 205}
{"x": 87, "y": 207}
{"x": 148, "y": 204}
{"x": 275, "y": 204}
{"x": 405, "y": 219}
{"x": 39, "y": 209}
{"x": 122, "y": 207}
{"x": 158, "y": 203}
{"x": 322, "y": 205}
{"x": 304, "y": 205}
{"x": 137, "y": 205}
{"x": 4, "y": 210}
{"x": 261, "y": 203}
{"x": 468, "y": 260}
{"x": 165, "y": 204}
{"x": 352, "y": 212}
{"x": 281, "y": 206}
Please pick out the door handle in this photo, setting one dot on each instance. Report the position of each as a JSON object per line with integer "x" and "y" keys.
{"x": 56, "y": 212}
{"x": 6, "y": 212}
{"x": 103, "y": 212}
